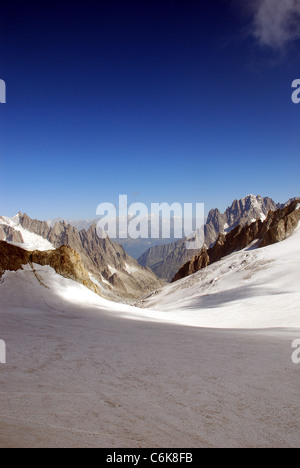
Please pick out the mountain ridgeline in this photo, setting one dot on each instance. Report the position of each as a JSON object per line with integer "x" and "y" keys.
{"x": 114, "y": 270}
{"x": 166, "y": 260}
{"x": 107, "y": 268}
{"x": 278, "y": 225}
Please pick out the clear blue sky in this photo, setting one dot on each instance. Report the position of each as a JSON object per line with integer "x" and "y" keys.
{"x": 162, "y": 100}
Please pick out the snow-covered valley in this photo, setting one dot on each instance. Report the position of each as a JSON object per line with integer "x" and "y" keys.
{"x": 208, "y": 364}
{"x": 250, "y": 289}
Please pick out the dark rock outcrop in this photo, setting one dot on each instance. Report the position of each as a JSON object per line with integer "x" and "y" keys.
{"x": 65, "y": 261}
{"x": 99, "y": 256}
{"x": 116, "y": 281}
{"x": 277, "y": 227}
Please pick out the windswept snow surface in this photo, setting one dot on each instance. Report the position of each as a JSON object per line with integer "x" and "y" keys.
{"x": 79, "y": 373}
{"x": 31, "y": 241}
{"x": 254, "y": 288}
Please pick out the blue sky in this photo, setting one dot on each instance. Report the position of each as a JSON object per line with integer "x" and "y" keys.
{"x": 162, "y": 100}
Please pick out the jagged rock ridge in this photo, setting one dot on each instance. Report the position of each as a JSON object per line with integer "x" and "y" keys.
{"x": 64, "y": 260}
{"x": 106, "y": 261}
{"x": 166, "y": 260}
{"x": 277, "y": 227}
{"x": 7, "y": 233}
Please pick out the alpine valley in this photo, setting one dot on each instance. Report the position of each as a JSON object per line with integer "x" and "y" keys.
{"x": 178, "y": 349}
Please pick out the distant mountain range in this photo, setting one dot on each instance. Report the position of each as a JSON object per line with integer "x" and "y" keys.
{"x": 248, "y": 280}
{"x": 166, "y": 256}
{"x": 134, "y": 247}
{"x": 166, "y": 260}
{"x": 111, "y": 268}
{"x": 107, "y": 267}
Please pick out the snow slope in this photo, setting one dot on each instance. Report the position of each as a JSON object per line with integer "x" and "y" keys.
{"x": 85, "y": 372}
{"x": 254, "y": 288}
{"x": 31, "y": 241}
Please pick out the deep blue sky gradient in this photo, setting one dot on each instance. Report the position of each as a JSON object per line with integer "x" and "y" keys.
{"x": 162, "y": 100}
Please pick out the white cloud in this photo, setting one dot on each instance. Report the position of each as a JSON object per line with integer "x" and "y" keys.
{"x": 276, "y": 23}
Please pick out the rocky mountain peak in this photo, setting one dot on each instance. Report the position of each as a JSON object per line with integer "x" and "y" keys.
{"x": 119, "y": 274}
{"x": 275, "y": 228}
{"x": 166, "y": 261}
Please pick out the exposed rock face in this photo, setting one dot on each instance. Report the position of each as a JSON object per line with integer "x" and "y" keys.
{"x": 101, "y": 257}
{"x": 281, "y": 224}
{"x": 65, "y": 261}
{"x": 134, "y": 247}
{"x": 277, "y": 227}
{"x": 9, "y": 234}
{"x": 40, "y": 228}
{"x": 116, "y": 281}
{"x": 166, "y": 260}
